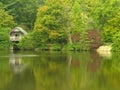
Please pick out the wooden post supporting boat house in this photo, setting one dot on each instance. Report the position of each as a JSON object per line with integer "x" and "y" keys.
{"x": 16, "y": 34}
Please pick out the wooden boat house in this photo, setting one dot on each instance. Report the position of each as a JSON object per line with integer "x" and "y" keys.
{"x": 16, "y": 34}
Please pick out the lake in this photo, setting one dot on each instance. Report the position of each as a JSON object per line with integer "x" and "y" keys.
{"x": 29, "y": 70}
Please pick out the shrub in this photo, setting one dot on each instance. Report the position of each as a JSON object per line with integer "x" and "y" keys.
{"x": 95, "y": 38}
{"x": 77, "y": 46}
{"x": 26, "y": 43}
{"x": 39, "y": 38}
{"x": 55, "y": 47}
{"x": 84, "y": 41}
{"x": 59, "y": 38}
{"x": 75, "y": 37}
{"x": 4, "y": 40}
{"x": 116, "y": 42}
{"x": 68, "y": 47}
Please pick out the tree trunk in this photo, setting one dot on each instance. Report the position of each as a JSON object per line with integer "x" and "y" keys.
{"x": 69, "y": 38}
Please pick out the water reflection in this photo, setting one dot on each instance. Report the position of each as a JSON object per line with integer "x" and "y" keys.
{"x": 59, "y": 71}
{"x": 105, "y": 54}
{"x": 16, "y": 63}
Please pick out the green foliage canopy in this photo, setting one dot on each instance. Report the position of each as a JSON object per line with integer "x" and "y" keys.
{"x": 23, "y": 11}
{"x": 50, "y": 20}
{"x": 6, "y": 20}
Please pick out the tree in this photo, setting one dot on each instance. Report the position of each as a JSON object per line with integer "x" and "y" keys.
{"x": 6, "y": 20}
{"x": 116, "y": 42}
{"x": 50, "y": 20}
{"x": 4, "y": 40}
{"x": 24, "y": 12}
{"x": 111, "y": 28}
{"x": 68, "y": 5}
{"x": 107, "y": 18}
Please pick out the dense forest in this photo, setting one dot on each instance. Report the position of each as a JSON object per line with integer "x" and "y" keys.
{"x": 61, "y": 24}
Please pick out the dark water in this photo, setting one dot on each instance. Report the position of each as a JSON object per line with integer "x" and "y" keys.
{"x": 28, "y": 70}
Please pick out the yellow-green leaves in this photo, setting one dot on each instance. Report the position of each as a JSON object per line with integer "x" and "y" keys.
{"x": 5, "y": 19}
{"x": 111, "y": 28}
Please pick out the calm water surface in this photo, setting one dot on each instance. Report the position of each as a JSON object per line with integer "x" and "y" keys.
{"x": 28, "y": 70}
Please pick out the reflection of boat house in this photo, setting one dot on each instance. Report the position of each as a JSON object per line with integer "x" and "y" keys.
{"x": 15, "y": 63}
{"x": 16, "y": 34}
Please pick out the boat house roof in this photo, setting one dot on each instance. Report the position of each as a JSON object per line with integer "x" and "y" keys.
{"x": 18, "y": 29}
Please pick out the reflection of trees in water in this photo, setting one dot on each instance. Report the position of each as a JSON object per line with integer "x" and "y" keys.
{"x": 5, "y": 73}
{"x": 111, "y": 71}
{"x": 116, "y": 60}
{"x": 22, "y": 81}
{"x": 5, "y": 78}
{"x": 68, "y": 71}
{"x": 84, "y": 70}
{"x": 65, "y": 71}
{"x": 9, "y": 80}
{"x": 94, "y": 62}
{"x": 85, "y": 60}
{"x": 49, "y": 73}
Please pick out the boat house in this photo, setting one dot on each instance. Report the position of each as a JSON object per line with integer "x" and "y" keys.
{"x": 16, "y": 34}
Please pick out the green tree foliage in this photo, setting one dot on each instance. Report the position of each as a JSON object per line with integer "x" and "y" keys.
{"x": 111, "y": 28}
{"x": 107, "y": 18}
{"x": 106, "y": 10}
{"x": 79, "y": 22}
{"x": 116, "y": 42}
{"x": 23, "y": 11}
{"x": 74, "y": 24}
{"x": 83, "y": 14}
{"x": 26, "y": 43}
{"x": 4, "y": 38}
{"x": 50, "y": 21}
{"x": 84, "y": 24}
{"x": 77, "y": 19}
{"x": 71, "y": 17}
{"x": 40, "y": 38}
{"x": 35, "y": 39}
{"x": 6, "y": 20}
